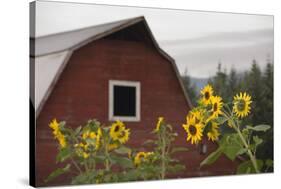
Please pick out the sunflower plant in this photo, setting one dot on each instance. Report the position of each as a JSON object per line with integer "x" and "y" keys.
{"x": 161, "y": 160}
{"x": 92, "y": 151}
{"x": 210, "y": 114}
{"x": 145, "y": 166}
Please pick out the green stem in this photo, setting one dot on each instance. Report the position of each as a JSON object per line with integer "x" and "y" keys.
{"x": 94, "y": 163}
{"x": 107, "y": 166}
{"x": 252, "y": 157}
{"x": 228, "y": 108}
{"x": 163, "y": 167}
{"x": 75, "y": 164}
{"x": 86, "y": 166}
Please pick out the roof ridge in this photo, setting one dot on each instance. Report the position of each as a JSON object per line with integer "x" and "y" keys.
{"x": 88, "y": 27}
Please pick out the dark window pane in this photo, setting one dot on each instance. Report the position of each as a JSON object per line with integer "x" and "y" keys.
{"x": 124, "y": 99}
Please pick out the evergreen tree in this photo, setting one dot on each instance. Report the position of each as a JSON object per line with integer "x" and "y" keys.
{"x": 260, "y": 85}
{"x": 219, "y": 82}
{"x": 266, "y": 149}
{"x": 255, "y": 88}
{"x": 268, "y": 93}
{"x": 232, "y": 84}
{"x": 189, "y": 87}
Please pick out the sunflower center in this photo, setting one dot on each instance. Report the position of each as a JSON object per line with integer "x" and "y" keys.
{"x": 141, "y": 156}
{"x": 241, "y": 105}
{"x": 215, "y": 107}
{"x": 192, "y": 130}
{"x": 116, "y": 129}
{"x": 207, "y": 95}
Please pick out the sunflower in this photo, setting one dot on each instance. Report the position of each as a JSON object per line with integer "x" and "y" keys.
{"x": 57, "y": 133}
{"x": 84, "y": 146}
{"x": 197, "y": 114}
{"x": 130, "y": 154}
{"x": 213, "y": 133}
{"x": 85, "y": 155}
{"x": 241, "y": 105}
{"x": 112, "y": 146}
{"x": 98, "y": 138}
{"x": 139, "y": 158}
{"x": 118, "y": 132}
{"x": 62, "y": 140}
{"x": 207, "y": 93}
{"x": 87, "y": 134}
{"x": 194, "y": 130}
{"x": 142, "y": 157}
{"x": 159, "y": 123}
{"x": 93, "y": 135}
{"x": 216, "y": 102}
{"x": 124, "y": 136}
{"x": 55, "y": 126}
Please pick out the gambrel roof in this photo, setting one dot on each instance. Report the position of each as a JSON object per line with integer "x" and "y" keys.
{"x": 50, "y": 54}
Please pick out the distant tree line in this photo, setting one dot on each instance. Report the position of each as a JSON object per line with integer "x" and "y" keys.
{"x": 189, "y": 87}
{"x": 256, "y": 82}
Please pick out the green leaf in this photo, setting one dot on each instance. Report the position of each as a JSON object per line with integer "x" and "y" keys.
{"x": 245, "y": 133}
{"x": 232, "y": 151}
{"x": 175, "y": 168}
{"x": 63, "y": 154}
{"x": 231, "y": 145}
{"x": 58, "y": 172}
{"x": 82, "y": 178}
{"x": 179, "y": 149}
{"x": 259, "y": 127}
{"x": 169, "y": 127}
{"x": 149, "y": 141}
{"x": 242, "y": 151}
{"x": 170, "y": 160}
{"x": 221, "y": 120}
{"x": 77, "y": 130}
{"x": 108, "y": 178}
{"x": 212, "y": 157}
{"x": 247, "y": 167}
{"x": 123, "y": 150}
{"x": 257, "y": 140}
{"x": 99, "y": 158}
{"x": 62, "y": 123}
{"x": 131, "y": 175}
{"x": 122, "y": 161}
{"x": 269, "y": 163}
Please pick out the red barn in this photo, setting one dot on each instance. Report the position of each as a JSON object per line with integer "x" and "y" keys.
{"x": 111, "y": 71}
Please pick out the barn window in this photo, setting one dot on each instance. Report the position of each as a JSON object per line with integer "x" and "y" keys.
{"x": 124, "y": 100}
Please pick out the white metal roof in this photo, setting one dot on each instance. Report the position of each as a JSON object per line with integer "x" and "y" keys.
{"x": 46, "y": 68}
{"x": 62, "y": 41}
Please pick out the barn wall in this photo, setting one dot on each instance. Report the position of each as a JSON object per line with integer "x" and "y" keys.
{"x": 82, "y": 93}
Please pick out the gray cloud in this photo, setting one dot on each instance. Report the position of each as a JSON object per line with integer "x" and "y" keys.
{"x": 253, "y": 36}
{"x": 203, "y": 63}
{"x": 233, "y": 49}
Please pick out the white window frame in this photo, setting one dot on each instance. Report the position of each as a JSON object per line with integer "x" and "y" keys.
{"x": 135, "y": 84}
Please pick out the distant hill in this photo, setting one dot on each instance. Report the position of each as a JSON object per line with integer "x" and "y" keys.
{"x": 199, "y": 83}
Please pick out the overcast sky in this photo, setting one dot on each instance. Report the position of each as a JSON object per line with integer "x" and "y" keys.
{"x": 196, "y": 40}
